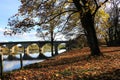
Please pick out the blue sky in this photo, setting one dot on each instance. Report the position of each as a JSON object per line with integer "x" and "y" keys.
{"x": 7, "y": 9}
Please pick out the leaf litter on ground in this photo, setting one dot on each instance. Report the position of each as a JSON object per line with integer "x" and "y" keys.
{"x": 73, "y": 65}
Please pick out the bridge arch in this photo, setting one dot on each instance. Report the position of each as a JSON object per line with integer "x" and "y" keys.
{"x": 25, "y": 46}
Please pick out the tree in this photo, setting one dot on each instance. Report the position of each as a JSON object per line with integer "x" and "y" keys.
{"x": 114, "y": 31}
{"x": 50, "y": 33}
{"x": 71, "y": 13}
{"x": 102, "y": 24}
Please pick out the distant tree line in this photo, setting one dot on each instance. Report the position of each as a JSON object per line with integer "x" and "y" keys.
{"x": 114, "y": 30}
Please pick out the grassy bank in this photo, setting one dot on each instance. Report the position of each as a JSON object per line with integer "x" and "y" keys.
{"x": 73, "y": 65}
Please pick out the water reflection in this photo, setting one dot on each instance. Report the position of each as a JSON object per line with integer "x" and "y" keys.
{"x": 12, "y": 65}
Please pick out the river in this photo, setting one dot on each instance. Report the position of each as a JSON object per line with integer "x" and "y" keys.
{"x": 12, "y": 65}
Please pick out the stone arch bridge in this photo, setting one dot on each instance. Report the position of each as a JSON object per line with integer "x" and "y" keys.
{"x": 25, "y": 44}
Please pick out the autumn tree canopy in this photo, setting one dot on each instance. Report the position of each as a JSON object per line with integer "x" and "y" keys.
{"x": 69, "y": 15}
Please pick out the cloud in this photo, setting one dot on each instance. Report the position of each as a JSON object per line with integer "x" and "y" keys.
{"x": 25, "y": 37}
{"x": 2, "y": 30}
{"x": 18, "y": 37}
{"x": 28, "y": 37}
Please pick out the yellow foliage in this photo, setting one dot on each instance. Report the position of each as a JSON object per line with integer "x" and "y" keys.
{"x": 104, "y": 15}
{"x": 70, "y": 0}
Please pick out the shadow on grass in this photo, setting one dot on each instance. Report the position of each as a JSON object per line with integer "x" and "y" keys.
{"x": 111, "y": 51}
{"x": 57, "y": 62}
{"x": 114, "y": 75}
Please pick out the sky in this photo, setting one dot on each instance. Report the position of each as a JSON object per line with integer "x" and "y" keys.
{"x": 7, "y": 9}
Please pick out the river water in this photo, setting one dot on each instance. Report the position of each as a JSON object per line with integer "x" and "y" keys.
{"x": 12, "y": 65}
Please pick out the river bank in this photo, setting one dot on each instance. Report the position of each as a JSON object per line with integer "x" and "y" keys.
{"x": 73, "y": 65}
{"x": 15, "y": 64}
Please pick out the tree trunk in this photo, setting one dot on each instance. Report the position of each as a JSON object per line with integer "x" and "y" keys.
{"x": 1, "y": 65}
{"x": 87, "y": 21}
{"x": 52, "y": 40}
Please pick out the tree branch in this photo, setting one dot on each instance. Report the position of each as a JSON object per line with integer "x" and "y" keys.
{"x": 55, "y": 17}
{"x": 67, "y": 20}
{"x": 96, "y": 3}
{"x": 98, "y": 7}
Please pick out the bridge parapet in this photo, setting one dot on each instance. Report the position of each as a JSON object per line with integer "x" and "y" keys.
{"x": 40, "y": 44}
